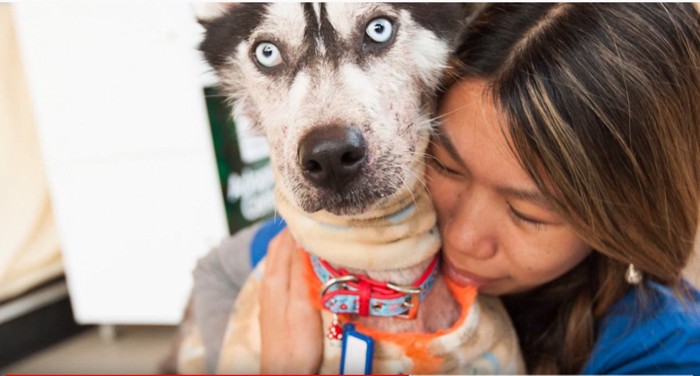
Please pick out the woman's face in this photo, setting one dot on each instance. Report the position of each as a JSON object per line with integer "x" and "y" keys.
{"x": 498, "y": 231}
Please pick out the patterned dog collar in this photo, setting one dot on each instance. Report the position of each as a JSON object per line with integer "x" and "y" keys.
{"x": 342, "y": 292}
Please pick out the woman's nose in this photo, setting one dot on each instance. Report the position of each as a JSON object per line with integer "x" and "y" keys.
{"x": 471, "y": 229}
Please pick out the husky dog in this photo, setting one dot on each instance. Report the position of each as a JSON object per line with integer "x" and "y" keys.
{"x": 345, "y": 94}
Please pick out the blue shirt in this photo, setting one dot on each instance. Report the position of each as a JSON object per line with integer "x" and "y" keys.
{"x": 662, "y": 338}
{"x": 659, "y": 337}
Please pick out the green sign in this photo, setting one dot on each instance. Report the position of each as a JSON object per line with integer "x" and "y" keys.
{"x": 243, "y": 163}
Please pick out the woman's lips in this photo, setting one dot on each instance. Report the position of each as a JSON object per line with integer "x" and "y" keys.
{"x": 462, "y": 277}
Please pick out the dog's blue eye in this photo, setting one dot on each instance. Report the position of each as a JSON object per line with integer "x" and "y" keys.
{"x": 380, "y": 30}
{"x": 268, "y": 55}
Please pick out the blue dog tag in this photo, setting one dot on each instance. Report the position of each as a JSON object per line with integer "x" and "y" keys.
{"x": 356, "y": 356}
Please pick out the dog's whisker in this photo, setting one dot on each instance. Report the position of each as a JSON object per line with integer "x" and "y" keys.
{"x": 408, "y": 171}
{"x": 419, "y": 178}
{"x": 410, "y": 191}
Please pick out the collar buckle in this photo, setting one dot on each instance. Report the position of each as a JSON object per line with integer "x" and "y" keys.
{"x": 411, "y": 302}
{"x": 411, "y": 290}
{"x": 333, "y": 281}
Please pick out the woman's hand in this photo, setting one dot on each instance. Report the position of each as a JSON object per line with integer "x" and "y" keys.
{"x": 291, "y": 328}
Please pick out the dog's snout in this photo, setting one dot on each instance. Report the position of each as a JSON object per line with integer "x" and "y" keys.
{"x": 332, "y": 156}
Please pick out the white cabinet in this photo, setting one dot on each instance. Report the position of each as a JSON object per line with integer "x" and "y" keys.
{"x": 117, "y": 94}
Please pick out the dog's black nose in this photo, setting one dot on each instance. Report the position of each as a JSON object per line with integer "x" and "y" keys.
{"x": 330, "y": 157}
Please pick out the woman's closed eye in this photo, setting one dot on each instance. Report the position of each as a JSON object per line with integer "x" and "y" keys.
{"x": 525, "y": 219}
{"x": 440, "y": 167}
{"x": 442, "y": 161}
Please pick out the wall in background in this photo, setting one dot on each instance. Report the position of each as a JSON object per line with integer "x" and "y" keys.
{"x": 117, "y": 95}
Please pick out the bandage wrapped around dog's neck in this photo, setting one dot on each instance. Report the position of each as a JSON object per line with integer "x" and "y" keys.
{"x": 398, "y": 233}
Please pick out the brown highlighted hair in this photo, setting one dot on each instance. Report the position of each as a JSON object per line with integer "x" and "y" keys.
{"x": 603, "y": 107}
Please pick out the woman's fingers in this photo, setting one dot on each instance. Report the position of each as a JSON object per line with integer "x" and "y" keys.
{"x": 278, "y": 259}
{"x": 291, "y": 328}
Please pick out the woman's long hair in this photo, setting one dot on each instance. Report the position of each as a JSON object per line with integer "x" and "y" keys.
{"x": 602, "y": 103}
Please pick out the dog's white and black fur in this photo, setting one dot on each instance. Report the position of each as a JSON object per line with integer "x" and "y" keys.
{"x": 345, "y": 94}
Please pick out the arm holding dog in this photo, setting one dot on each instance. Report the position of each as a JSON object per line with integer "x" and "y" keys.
{"x": 218, "y": 279}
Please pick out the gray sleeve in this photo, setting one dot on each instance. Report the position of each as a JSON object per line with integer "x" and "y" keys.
{"x": 218, "y": 278}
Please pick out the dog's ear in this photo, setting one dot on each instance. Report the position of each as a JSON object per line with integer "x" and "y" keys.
{"x": 206, "y": 13}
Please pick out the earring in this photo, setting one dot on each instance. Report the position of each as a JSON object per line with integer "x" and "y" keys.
{"x": 633, "y": 275}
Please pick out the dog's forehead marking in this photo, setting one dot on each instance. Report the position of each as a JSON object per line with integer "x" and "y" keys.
{"x": 338, "y": 15}
{"x": 317, "y": 12}
{"x": 287, "y": 20}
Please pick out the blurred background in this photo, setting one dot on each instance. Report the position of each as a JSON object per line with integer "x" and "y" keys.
{"x": 119, "y": 167}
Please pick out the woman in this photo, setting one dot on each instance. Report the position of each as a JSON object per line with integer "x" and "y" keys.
{"x": 568, "y": 156}
{"x": 566, "y": 176}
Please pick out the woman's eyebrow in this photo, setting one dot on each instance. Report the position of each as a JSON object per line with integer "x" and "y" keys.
{"x": 526, "y": 195}
{"x": 445, "y": 141}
